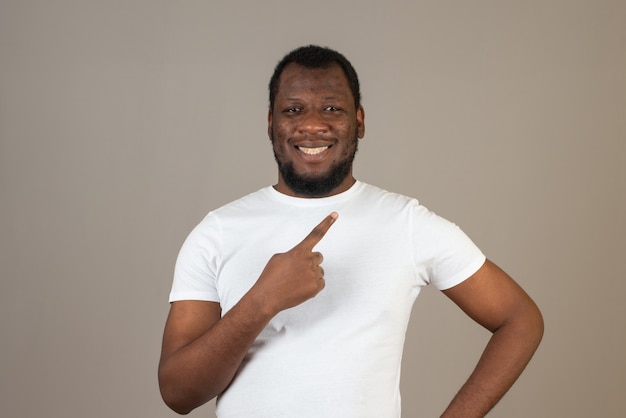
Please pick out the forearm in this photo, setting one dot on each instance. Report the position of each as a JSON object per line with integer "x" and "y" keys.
{"x": 199, "y": 371}
{"x": 506, "y": 355}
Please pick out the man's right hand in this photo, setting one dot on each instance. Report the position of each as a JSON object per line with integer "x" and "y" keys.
{"x": 295, "y": 276}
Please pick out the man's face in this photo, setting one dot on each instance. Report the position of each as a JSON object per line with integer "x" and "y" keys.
{"x": 314, "y": 128}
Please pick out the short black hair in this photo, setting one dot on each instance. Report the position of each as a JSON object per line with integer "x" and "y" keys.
{"x": 313, "y": 56}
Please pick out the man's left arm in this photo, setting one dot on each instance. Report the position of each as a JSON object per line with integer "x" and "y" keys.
{"x": 496, "y": 302}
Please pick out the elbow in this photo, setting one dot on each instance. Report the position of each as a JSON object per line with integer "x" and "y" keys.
{"x": 175, "y": 397}
{"x": 175, "y": 403}
{"x": 538, "y": 325}
{"x": 534, "y": 322}
{"x": 179, "y": 409}
{"x": 179, "y": 397}
{"x": 526, "y": 326}
{"x": 531, "y": 327}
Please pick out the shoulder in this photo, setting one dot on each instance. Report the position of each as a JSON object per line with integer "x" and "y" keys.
{"x": 426, "y": 225}
{"x": 210, "y": 227}
{"x": 401, "y": 207}
{"x": 235, "y": 208}
{"x": 243, "y": 203}
{"x": 377, "y": 195}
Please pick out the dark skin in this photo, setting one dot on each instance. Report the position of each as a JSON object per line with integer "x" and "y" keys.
{"x": 313, "y": 124}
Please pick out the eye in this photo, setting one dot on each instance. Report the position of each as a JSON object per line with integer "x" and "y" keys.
{"x": 332, "y": 109}
{"x": 293, "y": 110}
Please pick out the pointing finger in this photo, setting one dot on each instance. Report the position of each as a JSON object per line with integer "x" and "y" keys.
{"x": 318, "y": 232}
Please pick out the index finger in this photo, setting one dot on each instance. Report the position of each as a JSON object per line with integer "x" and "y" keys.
{"x": 318, "y": 232}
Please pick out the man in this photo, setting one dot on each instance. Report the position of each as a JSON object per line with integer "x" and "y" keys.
{"x": 279, "y": 317}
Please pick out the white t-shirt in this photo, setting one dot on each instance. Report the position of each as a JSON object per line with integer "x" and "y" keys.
{"x": 338, "y": 354}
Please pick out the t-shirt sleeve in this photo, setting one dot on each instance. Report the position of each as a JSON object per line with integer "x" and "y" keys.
{"x": 444, "y": 253}
{"x": 197, "y": 263}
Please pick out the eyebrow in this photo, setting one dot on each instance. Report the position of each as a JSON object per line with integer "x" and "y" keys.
{"x": 297, "y": 99}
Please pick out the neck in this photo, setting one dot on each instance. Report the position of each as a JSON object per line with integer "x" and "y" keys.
{"x": 283, "y": 188}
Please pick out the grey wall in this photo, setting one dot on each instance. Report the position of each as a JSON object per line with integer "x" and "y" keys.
{"x": 123, "y": 122}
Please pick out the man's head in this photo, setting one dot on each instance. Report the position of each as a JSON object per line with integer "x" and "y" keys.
{"x": 314, "y": 56}
{"x": 314, "y": 122}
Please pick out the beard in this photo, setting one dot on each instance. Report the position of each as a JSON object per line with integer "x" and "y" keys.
{"x": 317, "y": 186}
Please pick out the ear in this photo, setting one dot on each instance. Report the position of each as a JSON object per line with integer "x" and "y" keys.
{"x": 360, "y": 122}
{"x": 269, "y": 124}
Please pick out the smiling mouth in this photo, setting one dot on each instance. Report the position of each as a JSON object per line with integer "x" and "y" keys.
{"x": 313, "y": 151}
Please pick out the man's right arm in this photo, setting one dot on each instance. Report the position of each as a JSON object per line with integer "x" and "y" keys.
{"x": 202, "y": 351}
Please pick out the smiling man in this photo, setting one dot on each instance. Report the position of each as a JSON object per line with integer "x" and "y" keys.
{"x": 281, "y": 315}
{"x": 314, "y": 124}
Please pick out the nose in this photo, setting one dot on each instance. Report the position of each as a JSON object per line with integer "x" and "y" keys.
{"x": 313, "y": 123}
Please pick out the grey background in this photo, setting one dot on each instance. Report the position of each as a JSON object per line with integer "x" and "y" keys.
{"x": 123, "y": 122}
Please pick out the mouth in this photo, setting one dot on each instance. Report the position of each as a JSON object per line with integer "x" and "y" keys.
{"x": 313, "y": 150}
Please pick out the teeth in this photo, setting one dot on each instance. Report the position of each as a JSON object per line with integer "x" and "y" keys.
{"x": 313, "y": 151}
